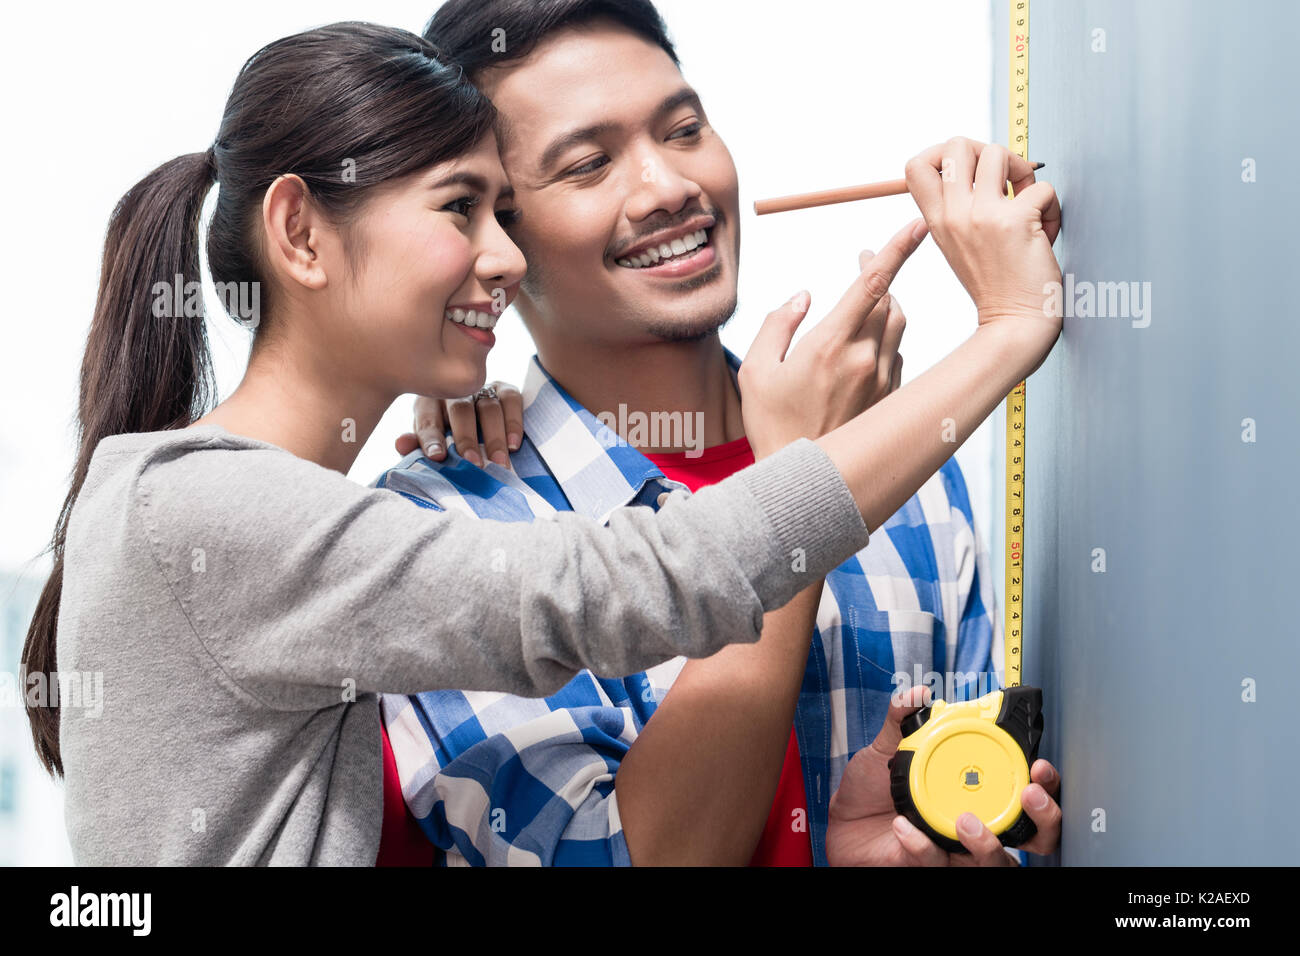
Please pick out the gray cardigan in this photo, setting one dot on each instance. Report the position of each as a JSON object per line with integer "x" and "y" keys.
{"x": 245, "y": 607}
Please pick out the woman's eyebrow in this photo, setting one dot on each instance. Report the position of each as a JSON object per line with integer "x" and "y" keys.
{"x": 473, "y": 181}
{"x": 686, "y": 96}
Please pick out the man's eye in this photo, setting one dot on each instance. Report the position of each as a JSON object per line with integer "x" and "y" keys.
{"x": 691, "y": 130}
{"x": 507, "y": 217}
{"x": 463, "y": 205}
{"x": 587, "y": 168}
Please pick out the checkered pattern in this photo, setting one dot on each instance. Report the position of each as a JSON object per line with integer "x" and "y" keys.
{"x": 495, "y": 779}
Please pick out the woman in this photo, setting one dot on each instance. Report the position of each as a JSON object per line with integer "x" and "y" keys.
{"x": 245, "y": 602}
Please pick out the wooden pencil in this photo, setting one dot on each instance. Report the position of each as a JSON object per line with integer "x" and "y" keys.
{"x": 826, "y": 197}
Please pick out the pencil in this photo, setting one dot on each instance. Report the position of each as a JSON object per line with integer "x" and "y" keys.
{"x": 890, "y": 187}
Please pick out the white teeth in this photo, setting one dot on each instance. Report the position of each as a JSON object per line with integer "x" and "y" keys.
{"x": 667, "y": 250}
{"x": 471, "y": 318}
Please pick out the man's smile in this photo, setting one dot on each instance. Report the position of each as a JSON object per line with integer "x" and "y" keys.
{"x": 674, "y": 253}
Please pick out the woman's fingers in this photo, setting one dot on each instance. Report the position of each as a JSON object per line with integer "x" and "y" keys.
{"x": 464, "y": 428}
{"x": 1021, "y": 176}
{"x": 501, "y": 421}
{"x": 957, "y": 172}
{"x": 492, "y": 423}
{"x": 430, "y": 427}
{"x": 512, "y": 409}
{"x": 1043, "y": 197}
{"x": 925, "y": 183}
{"x": 992, "y": 173}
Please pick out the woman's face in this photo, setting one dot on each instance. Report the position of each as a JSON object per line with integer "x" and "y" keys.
{"x": 431, "y": 258}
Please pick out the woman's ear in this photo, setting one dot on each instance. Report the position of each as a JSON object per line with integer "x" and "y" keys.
{"x": 295, "y": 233}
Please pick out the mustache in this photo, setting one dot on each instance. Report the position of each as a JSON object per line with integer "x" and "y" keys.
{"x": 670, "y": 222}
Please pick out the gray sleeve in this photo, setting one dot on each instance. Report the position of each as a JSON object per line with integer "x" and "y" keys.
{"x": 298, "y": 582}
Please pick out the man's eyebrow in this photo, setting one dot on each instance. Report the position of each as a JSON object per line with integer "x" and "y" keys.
{"x": 561, "y": 144}
{"x": 473, "y": 181}
{"x": 686, "y": 96}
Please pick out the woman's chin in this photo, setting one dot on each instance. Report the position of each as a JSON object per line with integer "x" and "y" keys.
{"x": 458, "y": 381}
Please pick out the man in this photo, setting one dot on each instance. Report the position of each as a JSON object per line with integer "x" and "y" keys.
{"x": 629, "y": 217}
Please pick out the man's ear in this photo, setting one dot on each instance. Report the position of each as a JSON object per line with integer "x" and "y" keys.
{"x": 294, "y": 229}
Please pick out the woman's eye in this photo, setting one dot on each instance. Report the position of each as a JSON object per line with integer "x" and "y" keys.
{"x": 590, "y": 167}
{"x": 463, "y": 205}
{"x": 507, "y": 217}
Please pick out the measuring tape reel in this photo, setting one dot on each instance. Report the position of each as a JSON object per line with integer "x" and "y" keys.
{"x": 969, "y": 755}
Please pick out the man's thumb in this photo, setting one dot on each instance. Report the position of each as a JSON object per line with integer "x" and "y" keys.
{"x": 900, "y": 705}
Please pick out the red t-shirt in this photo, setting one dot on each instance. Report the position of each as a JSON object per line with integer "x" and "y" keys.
{"x": 401, "y": 841}
{"x": 781, "y": 844}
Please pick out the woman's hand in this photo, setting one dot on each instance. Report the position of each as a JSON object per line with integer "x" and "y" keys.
{"x": 500, "y": 419}
{"x": 845, "y": 365}
{"x": 1000, "y": 248}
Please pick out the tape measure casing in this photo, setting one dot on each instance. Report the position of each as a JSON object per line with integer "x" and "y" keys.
{"x": 956, "y": 757}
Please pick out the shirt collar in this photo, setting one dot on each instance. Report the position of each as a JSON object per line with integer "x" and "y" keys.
{"x": 596, "y": 469}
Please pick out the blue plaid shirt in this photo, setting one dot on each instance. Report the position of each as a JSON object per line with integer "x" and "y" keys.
{"x": 495, "y": 779}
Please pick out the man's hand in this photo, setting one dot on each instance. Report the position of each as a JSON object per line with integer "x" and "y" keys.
{"x": 501, "y": 420}
{"x": 839, "y": 369}
{"x": 865, "y": 830}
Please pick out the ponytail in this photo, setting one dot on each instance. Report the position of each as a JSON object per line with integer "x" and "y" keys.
{"x": 145, "y": 369}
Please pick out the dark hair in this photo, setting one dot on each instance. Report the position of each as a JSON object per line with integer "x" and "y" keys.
{"x": 476, "y": 34}
{"x": 346, "y": 107}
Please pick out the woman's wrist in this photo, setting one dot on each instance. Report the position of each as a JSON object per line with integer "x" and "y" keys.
{"x": 1026, "y": 342}
{"x": 888, "y": 451}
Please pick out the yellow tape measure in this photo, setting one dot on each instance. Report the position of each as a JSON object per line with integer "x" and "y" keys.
{"x": 975, "y": 755}
{"x": 1018, "y": 142}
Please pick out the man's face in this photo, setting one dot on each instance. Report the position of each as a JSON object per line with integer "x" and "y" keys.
{"x": 616, "y": 171}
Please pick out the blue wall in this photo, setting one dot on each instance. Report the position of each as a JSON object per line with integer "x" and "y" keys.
{"x": 1136, "y": 429}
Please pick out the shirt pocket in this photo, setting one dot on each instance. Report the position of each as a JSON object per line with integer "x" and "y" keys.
{"x": 891, "y": 643}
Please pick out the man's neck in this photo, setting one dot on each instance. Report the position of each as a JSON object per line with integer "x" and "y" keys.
{"x": 628, "y": 387}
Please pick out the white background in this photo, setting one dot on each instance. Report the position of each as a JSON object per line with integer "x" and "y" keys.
{"x": 809, "y": 96}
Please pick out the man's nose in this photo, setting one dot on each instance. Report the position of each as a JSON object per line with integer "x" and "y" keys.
{"x": 660, "y": 186}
